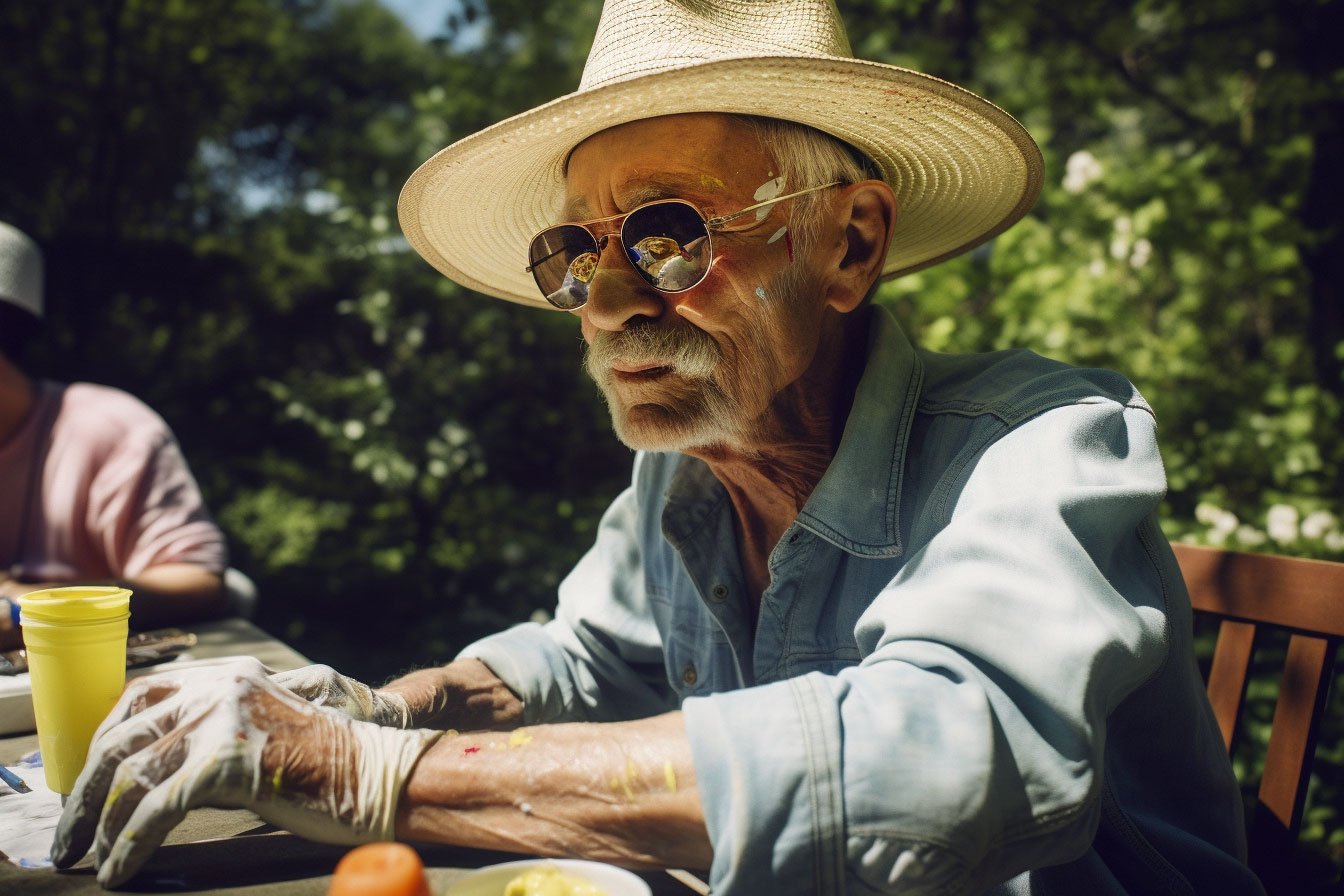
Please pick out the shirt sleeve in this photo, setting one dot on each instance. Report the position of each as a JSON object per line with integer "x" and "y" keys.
{"x": 967, "y": 744}
{"x": 601, "y": 658}
{"x": 147, "y": 509}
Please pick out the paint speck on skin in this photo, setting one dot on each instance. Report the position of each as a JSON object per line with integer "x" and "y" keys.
{"x": 766, "y": 191}
{"x": 774, "y": 237}
{"x": 670, "y": 776}
{"x": 760, "y": 293}
{"x": 519, "y": 739}
{"x": 709, "y": 182}
{"x": 472, "y": 750}
{"x": 276, "y": 780}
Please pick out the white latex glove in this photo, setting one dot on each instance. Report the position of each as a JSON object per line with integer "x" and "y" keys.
{"x": 324, "y": 686}
{"x": 229, "y": 736}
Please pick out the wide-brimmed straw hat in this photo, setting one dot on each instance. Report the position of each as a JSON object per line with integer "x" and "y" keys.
{"x": 963, "y": 169}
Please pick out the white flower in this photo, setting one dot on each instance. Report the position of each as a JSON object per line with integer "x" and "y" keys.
{"x": 1250, "y": 536}
{"x": 1221, "y": 522}
{"x": 1281, "y": 523}
{"x": 1318, "y": 523}
{"x": 1143, "y": 251}
{"x": 1334, "y": 541}
{"x": 1080, "y": 171}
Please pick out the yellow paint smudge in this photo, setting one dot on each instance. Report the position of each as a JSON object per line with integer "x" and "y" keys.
{"x": 276, "y": 781}
{"x": 708, "y": 181}
{"x": 670, "y": 776}
{"x": 519, "y": 739}
{"x": 118, "y": 790}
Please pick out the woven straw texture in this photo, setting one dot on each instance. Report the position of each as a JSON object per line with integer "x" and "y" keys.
{"x": 962, "y": 169}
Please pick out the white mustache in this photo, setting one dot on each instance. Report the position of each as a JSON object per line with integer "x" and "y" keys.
{"x": 688, "y": 352}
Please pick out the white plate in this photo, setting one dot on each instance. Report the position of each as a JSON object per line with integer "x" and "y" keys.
{"x": 491, "y": 880}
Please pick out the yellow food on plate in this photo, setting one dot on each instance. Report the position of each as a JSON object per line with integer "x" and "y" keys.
{"x": 549, "y": 880}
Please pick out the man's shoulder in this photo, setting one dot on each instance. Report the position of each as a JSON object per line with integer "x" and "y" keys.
{"x": 1015, "y": 384}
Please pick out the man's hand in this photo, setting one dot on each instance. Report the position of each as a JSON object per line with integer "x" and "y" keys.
{"x": 324, "y": 686}
{"x": 229, "y": 736}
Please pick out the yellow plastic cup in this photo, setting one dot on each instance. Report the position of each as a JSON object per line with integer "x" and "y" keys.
{"x": 76, "y": 644}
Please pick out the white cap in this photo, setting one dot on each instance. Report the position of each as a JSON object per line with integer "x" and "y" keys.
{"x": 20, "y": 270}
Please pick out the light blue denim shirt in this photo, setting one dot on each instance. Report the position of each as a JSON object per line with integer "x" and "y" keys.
{"x": 972, "y": 670}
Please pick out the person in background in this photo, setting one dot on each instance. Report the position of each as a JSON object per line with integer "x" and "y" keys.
{"x": 93, "y": 486}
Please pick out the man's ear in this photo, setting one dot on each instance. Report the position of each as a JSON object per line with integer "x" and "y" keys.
{"x": 866, "y": 213}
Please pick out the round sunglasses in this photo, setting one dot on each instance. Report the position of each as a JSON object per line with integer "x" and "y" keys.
{"x": 667, "y": 241}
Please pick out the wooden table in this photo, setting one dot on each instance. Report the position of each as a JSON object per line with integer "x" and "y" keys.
{"x": 232, "y": 851}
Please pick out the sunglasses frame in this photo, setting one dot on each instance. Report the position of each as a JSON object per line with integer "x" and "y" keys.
{"x": 712, "y": 225}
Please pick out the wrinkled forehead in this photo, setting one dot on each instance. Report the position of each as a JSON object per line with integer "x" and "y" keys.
{"x": 709, "y": 158}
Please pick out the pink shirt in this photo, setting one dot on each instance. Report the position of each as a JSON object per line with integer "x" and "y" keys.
{"x": 114, "y": 496}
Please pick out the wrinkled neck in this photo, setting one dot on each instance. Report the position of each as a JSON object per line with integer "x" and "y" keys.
{"x": 770, "y": 477}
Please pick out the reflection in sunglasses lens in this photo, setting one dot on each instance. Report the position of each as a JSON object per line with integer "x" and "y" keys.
{"x": 666, "y": 242}
{"x": 551, "y": 255}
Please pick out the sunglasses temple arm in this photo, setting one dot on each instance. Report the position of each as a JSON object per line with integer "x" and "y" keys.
{"x": 724, "y": 219}
{"x": 547, "y": 258}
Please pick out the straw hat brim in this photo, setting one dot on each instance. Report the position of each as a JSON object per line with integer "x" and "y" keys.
{"x": 963, "y": 170}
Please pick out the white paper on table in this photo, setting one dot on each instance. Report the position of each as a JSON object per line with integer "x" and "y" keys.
{"x": 28, "y": 820}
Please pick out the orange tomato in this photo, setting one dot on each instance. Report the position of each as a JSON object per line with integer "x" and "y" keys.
{"x": 379, "y": 869}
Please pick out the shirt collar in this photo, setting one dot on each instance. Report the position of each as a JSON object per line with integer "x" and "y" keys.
{"x": 856, "y": 505}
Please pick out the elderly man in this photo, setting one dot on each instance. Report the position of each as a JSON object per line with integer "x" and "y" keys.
{"x": 868, "y": 619}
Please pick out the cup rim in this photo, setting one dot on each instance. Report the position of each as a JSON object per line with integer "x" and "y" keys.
{"x": 74, "y": 603}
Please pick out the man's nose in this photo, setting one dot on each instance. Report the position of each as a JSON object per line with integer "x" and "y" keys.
{"x": 617, "y": 294}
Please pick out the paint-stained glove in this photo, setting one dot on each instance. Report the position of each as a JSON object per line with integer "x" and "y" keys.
{"x": 229, "y": 736}
{"x": 324, "y": 686}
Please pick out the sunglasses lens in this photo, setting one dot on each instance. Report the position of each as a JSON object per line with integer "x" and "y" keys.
{"x": 668, "y": 244}
{"x": 563, "y": 260}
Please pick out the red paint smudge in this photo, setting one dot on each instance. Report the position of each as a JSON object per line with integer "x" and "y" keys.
{"x": 788, "y": 244}
{"x": 472, "y": 750}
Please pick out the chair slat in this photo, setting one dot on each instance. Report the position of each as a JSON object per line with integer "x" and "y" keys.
{"x": 1227, "y": 675}
{"x": 1297, "y": 718}
{"x": 1290, "y": 592}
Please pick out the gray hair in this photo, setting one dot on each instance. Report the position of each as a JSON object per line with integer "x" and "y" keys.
{"x": 806, "y": 158}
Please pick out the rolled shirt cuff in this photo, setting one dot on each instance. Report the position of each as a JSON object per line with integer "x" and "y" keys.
{"x": 772, "y": 791}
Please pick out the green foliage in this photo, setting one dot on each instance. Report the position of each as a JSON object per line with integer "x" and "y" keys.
{"x": 215, "y": 186}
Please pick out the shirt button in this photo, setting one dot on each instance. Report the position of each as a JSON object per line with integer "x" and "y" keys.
{"x": 688, "y": 675}
{"x": 719, "y": 594}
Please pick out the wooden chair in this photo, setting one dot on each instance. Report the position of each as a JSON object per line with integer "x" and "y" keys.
{"x": 1249, "y": 592}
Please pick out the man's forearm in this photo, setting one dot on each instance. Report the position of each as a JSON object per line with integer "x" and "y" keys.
{"x": 464, "y": 695}
{"x": 621, "y": 792}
